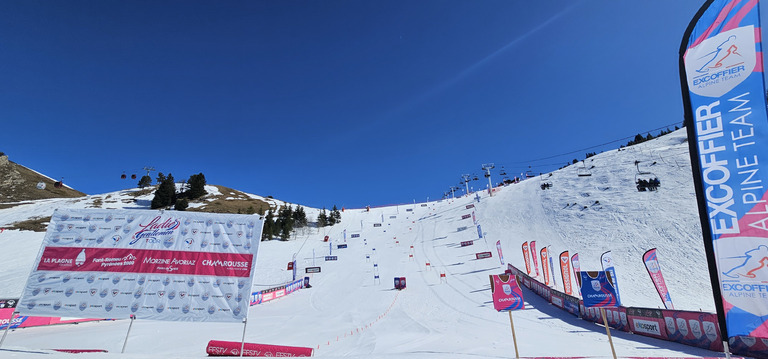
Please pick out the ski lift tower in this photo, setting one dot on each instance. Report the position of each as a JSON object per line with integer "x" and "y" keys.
{"x": 487, "y": 167}
{"x": 466, "y": 178}
{"x": 149, "y": 169}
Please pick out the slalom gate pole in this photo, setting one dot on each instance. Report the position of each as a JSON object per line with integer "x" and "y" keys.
{"x": 608, "y": 330}
{"x": 127, "y": 334}
{"x": 10, "y": 321}
{"x": 514, "y": 338}
{"x": 242, "y": 342}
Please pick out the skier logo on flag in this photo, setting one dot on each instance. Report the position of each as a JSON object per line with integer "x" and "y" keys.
{"x": 753, "y": 260}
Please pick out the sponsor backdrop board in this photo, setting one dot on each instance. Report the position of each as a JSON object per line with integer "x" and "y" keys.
{"x": 161, "y": 265}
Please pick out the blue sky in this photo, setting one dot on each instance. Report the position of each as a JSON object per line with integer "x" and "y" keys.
{"x": 323, "y": 103}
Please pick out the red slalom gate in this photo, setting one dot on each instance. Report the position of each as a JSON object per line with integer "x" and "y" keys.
{"x": 225, "y": 348}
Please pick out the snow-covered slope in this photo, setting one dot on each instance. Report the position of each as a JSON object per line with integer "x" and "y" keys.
{"x": 347, "y": 313}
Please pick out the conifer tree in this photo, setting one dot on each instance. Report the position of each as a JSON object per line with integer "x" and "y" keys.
{"x": 322, "y": 219}
{"x": 336, "y": 215}
{"x": 269, "y": 225}
{"x": 165, "y": 195}
{"x": 145, "y": 181}
{"x": 196, "y": 186}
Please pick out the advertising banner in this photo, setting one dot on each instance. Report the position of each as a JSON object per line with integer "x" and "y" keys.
{"x": 607, "y": 261}
{"x": 526, "y": 258}
{"x": 506, "y": 294}
{"x": 565, "y": 272}
{"x": 230, "y": 349}
{"x": 654, "y": 270}
{"x": 576, "y": 268}
{"x": 498, "y": 248}
{"x": 693, "y": 328}
{"x": 544, "y": 267}
{"x": 483, "y": 255}
{"x": 648, "y": 322}
{"x": 597, "y": 290}
{"x": 159, "y": 265}
{"x": 721, "y": 72}
{"x": 534, "y": 254}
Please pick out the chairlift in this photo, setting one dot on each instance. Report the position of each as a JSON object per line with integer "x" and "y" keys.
{"x": 645, "y": 180}
{"x": 133, "y": 176}
{"x": 583, "y": 171}
{"x": 529, "y": 173}
{"x": 544, "y": 183}
{"x": 123, "y": 176}
{"x": 502, "y": 172}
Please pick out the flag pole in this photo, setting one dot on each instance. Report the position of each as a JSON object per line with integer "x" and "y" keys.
{"x": 127, "y": 334}
{"x": 514, "y": 338}
{"x": 608, "y": 330}
{"x": 10, "y": 321}
{"x": 242, "y": 342}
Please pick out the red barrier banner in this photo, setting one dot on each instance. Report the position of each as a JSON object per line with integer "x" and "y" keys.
{"x": 466, "y": 216}
{"x": 648, "y": 322}
{"x": 225, "y": 348}
{"x": 751, "y": 346}
{"x": 467, "y": 243}
{"x": 24, "y": 321}
{"x": 693, "y": 328}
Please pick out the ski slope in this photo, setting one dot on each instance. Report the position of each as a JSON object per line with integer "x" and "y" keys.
{"x": 346, "y": 313}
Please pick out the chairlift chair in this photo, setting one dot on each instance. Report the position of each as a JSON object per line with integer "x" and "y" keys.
{"x": 544, "y": 183}
{"x": 133, "y": 176}
{"x": 122, "y": 176}
{"x": 583, "y": 171}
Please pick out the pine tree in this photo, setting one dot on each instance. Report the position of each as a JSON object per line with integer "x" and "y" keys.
{"x": 336, "y": 215}
{"x": 165, "y": 195}
{"x": 181, "y": 205}
{"x": 269, "y": 225}
{"x": 145, "y": 181}
{"x": 299, "y": 217}
{"x": 322, "y": 219}
{"x": 196, "y": 186}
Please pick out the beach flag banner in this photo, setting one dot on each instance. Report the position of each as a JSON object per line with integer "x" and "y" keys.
{"x": 721, "y": 75}
{"x": 654, "y": 270}
{"x": 159, "y": 265}
{"x": 552, "y": 266}
{"x": 607, "y": 261}
{"x": 565, "y": 272}
{"x": 526, "y": 258}
{"x": 501, "y": 255}
{"x": 544, "y": 267}
{"x": 576, "y": 265}
{"x": 534, "y": 254}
